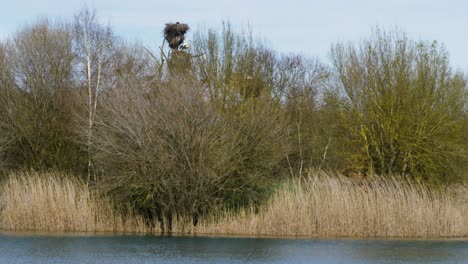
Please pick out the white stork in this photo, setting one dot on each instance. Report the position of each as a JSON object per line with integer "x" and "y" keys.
{"x": 184, "y": 46}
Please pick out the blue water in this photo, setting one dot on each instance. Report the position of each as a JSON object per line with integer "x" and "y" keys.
{"x": 33, "y": 248}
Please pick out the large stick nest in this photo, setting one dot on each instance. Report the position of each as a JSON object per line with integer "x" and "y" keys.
{"x": 175, "y": 34}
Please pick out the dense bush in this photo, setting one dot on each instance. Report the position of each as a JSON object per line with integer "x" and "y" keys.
{"x": 167, "y": 151}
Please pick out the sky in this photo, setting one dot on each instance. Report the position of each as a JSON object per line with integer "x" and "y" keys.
{"x": 319, "y": 23}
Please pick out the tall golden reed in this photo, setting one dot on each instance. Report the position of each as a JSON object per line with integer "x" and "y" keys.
{"x": 317, "y": 206}
{"x": 336, "y": 206}
{"x": 52, "y": 202}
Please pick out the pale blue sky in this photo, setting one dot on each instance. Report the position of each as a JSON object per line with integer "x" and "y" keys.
{"x": 320, "y": 23}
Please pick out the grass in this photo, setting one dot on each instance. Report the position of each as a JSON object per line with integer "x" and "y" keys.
{"x": 317, "y": 205}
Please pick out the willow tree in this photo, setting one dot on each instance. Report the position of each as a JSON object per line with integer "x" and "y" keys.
{"x": 404, "y": 105}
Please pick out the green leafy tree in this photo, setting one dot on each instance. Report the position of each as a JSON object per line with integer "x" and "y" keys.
{"x": 404, "y": 105}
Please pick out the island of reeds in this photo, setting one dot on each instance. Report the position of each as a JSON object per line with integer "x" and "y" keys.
{"x": 224, "y": 136}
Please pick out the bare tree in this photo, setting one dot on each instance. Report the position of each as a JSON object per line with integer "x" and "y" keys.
{"x": 94, "y": 50}
{"x": 170, "y": 152}
{"x": 35, "y": 99}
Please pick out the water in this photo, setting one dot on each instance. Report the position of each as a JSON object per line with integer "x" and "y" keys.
{"x": 46, "y": 248}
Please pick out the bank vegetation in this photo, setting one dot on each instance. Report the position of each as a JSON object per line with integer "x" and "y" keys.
{"x": 317, "y": 205}
{"x": 104, "y": 135}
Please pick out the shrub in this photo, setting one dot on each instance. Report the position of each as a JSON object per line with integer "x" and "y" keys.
{"x": 168, "y": 151}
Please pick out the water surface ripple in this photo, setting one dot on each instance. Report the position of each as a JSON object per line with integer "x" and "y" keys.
{"x": 115, "y": 249}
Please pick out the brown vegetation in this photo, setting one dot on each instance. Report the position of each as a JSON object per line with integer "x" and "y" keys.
{"x": 335, "y": 206}
{"x": 319, "y": 205}
{"x": 54, "y": 202}
{"x": 174, "y": 153}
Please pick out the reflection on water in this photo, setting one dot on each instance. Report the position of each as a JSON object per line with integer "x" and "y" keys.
{"x": 103, "y": 249}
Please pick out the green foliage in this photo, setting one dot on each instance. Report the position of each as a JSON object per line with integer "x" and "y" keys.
{"x": 404, "y": 105}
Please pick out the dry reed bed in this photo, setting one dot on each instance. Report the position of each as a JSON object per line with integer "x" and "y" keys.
{"x": 322, "y": 206}
{"x": 51, "y": 202}
{"x": 327, "y": 206}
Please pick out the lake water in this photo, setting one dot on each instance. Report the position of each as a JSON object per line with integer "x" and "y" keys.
{"x": 115, "y": 249}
